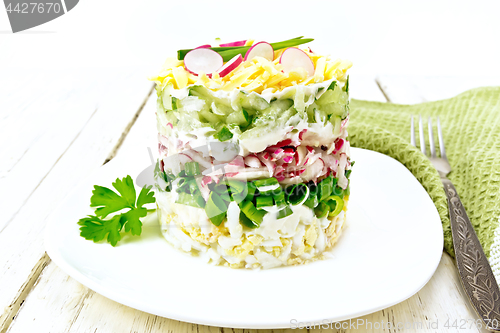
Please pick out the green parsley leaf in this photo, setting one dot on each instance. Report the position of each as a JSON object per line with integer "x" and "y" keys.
{"x": 107, "y": 201}
{"x": 93, "y": 228}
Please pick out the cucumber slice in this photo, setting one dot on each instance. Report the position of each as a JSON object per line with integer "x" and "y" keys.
{"x": 333, "y": 109}
{"x": 253, "y": 101}
{"x": 239, "y": 118}
{"x": 210, "y": 117}
{"x": 327, "y": 98}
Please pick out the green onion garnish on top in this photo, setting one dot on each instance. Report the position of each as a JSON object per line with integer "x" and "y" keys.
{"x": 229, "y": 52}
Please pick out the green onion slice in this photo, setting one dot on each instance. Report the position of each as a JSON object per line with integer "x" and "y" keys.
{"x": 251, "y": 212}
{"x": 195, "y": 200}
{"x": 247, "y": 222}
{"x": 336, "y": 205}
{"x": 192, "y": 168}
{"x": 321, "y": 210}
{"x": 311, "y": 202}
{"x": 297, "y": 194}
{"x": 325, "y": 188}
{"x": 215, "y": 208}
{"x": 264, "y": 201}
{"x": 284, "y": 212}
{"x": 267, "y": 186}
{"x": 279, "y": 198}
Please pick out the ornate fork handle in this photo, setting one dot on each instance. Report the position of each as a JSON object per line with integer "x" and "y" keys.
{"x": 475, "y": 272}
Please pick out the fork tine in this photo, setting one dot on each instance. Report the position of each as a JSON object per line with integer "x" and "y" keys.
{"x": 441, "y": 141}
{"x": 413, "y": 132}
{"x": 431, "y": 139}
{"x": 421, "y": 132}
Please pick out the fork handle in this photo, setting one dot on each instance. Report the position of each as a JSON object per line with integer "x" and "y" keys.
{"x": 473, "y": 266}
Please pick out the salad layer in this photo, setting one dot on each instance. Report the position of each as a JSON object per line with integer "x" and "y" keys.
{"x": 296, "y": 239}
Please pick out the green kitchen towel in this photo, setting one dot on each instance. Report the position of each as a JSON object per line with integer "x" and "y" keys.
{"x": 471, "y": 130}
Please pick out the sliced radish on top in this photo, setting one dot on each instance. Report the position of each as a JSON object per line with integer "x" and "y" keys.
{"x": 203, "y": 46}
{"x": 230, "y": 65}
{"x": 261, "y": 49}
{"x": 238, "y": 43}
{"x": 292, "y": 58}
{"x": 202, "y": 60}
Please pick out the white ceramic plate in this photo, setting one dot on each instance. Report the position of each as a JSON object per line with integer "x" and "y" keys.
{"x": 390, "y": 248}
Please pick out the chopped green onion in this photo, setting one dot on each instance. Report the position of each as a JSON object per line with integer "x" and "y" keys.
{"x": 223, "y": 135}
{"x": 325, "y": 188}
{"x": 348, "y": 173}
{"x": 251, "y": 212}
{"x": 221, "y": 187}
{"x": 250, "y": 191}
{"x": 215, "y": 208}
{"x": 279, "y": 198}
{"x": 284, "y": 212}
{"x": 193, "y": 187}
{"x": 321, "y": 210}
{"x": 267, "y": 186}
{"x": 247, "y": 222}
{"x": 347, "y": 191}
{"x": 192, "y": 168}
{"x": 336, "y": 205}
{"x": 264, "y": 201}
{"x": 237, "y": 186}
{"x": 297, "y": 194}
{"x": 311, "y": 202}
{"x": 225, "y": 196}
{"x": 195, "y": 200}
{"x": 337, "y": 190}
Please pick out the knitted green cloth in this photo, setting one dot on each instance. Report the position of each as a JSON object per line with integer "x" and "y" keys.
{"x": 471, "y": 130}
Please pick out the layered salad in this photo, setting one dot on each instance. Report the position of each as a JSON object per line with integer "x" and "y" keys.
{"x": 254, "y": 160}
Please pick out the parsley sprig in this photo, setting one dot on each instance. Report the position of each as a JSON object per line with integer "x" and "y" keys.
{"x": 97, "y": 227}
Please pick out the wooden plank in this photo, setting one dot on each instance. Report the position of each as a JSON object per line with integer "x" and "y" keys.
{"x": 40, "y": 123}
{"x": 22, "y": 255}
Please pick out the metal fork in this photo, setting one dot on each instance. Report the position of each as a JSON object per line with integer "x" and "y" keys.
{"x": 475, "y": 272}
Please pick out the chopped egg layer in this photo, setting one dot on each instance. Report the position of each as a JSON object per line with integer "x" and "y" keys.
{"x": 257, "y": 75}
{"x": 296, "y": 239}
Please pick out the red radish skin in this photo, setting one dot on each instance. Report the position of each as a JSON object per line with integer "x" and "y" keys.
{"x": 293, "y": 58}
{"x": 206, "y": 46}
{"x": 202, "y": 60}
{"x": 230, "y": 66}
{"x": 238, "y": 43}
{"x": 261, "y": 49}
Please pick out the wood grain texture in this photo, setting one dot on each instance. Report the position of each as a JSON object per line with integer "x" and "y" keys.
{"x": 22, "y": 255}
{"x": 60, "y": 304}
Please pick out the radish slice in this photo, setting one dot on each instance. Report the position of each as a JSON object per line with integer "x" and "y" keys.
{"x": 202, "y": 60}
{"x": 206, "y": 46}
{"x": 292, "y": 58}
{"x": 230, "y": 65}
{"x": 238, "y": 43}
{"x": 261, "y": 49}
